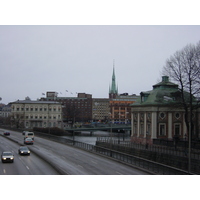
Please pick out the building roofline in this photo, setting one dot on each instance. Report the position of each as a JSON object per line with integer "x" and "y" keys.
{"x": 35, "y": 102}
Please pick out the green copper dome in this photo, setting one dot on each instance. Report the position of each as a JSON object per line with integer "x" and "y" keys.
{"x": 164, "y": 92}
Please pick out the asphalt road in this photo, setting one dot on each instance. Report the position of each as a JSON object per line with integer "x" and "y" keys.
{"x": 23, "y": 165}
{"x": 73, "y": 161}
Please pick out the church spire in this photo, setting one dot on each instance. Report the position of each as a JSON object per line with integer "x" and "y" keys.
{"x": 113, "y": 91}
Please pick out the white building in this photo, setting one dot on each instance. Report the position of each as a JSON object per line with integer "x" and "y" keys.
{"x": 29, "y": 114}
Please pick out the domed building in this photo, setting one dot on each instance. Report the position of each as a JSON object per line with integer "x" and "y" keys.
{"x": 159, "y": 114}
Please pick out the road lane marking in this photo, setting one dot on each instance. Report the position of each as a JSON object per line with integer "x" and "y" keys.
{"x": 27, "y": 167}
{"x": 80, "y": 166}
{"x": 4, "y": 171}
{"x": 94, "y": 162}
{"x": 119, "y": 173}
{"x": 63, "y": 157}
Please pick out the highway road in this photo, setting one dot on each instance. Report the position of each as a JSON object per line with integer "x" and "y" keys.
{"x": 73, "y": 161}
{"x": 23, "y": 165}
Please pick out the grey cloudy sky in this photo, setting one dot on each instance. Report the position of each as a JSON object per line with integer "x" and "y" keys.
{"x": 37, "y": 59}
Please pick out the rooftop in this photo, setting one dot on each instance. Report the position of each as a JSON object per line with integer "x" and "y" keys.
{"x": 164, "y": 92}
{"x": 34, "y": 102}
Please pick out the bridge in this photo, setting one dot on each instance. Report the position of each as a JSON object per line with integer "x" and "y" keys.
{"x": 91, "y": 128}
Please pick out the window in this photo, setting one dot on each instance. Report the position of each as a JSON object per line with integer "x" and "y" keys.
{"x": 26, "y": 124}
{"x": 27, "y": 109}
{"x": 141, "y": 128}
{"x": 148, "y": 129}
{"x": 177, "y": 115}
{"x": 177, "y": 129}
{"x": 162, "y": 115}
{"x": 162, "y": 129}
{"x": 149, "y": 116}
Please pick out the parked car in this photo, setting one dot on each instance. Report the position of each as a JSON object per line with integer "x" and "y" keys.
{"x": 23, "y": 150}
{"x": 7, "y": 156}
{"x": 28, "y": 141}
{"x": 6, "y": 133}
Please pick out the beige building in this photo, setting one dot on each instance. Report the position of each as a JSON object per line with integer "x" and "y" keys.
{"x": 29, "y": 114}
{"x": 100, "y": 109}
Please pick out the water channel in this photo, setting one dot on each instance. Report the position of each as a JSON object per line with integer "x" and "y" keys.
{"x": 86, "y": 138}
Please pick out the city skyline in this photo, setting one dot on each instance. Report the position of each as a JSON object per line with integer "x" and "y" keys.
{"x": 79, "y": 59}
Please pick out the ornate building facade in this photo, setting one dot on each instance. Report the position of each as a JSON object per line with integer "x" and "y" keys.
{"x": 158, "y": 114}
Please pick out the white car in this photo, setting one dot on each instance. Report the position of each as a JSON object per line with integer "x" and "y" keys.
{"x": 7, "y": 156}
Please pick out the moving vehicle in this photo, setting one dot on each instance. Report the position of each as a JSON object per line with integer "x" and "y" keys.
{"x": 23, "y": 150}
{"x": 28, "y": 141}
{"x": 7, "y": 156}
{"x": 29, "y": 135}
{"x": 6, "y": 133}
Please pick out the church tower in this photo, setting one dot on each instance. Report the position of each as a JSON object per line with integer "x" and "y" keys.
{"x": 113, "y": 90}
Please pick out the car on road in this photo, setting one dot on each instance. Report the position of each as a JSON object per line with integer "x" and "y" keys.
{"x": 6, "y": 133}
{"x": 28, "y": 141}
{"x": 23, "y": 150}
{"x": 29, "y": 135}
{"x": 7, "y": 156}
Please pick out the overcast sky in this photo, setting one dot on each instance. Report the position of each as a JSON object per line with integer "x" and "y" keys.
{"x": 37, "y": 59}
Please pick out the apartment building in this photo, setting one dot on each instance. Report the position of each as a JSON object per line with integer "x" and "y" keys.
{"x": 120, "y": 109}
{"x": 29, "y": 114}
{"x": 75, "y": 109}
{"x": 100, "y": 109}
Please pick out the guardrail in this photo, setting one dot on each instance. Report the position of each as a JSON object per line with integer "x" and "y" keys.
{"x": 134, "y": 161}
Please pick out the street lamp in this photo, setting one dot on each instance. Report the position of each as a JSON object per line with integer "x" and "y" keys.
{"x": 110, "y": 126}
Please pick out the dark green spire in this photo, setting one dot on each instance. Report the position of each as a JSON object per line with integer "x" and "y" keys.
{"x": 113, "y": 90}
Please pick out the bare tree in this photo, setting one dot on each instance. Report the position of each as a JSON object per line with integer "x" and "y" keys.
{"x": 18, "y": 120}
{"x": 184, "y": 68}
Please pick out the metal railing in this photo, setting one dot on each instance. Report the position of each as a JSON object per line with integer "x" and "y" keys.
{"x": 134, "y": 161}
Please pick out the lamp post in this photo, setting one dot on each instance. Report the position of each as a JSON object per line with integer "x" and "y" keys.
{"x": 118, "y": 136}
{"x": 110, "y": 125}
